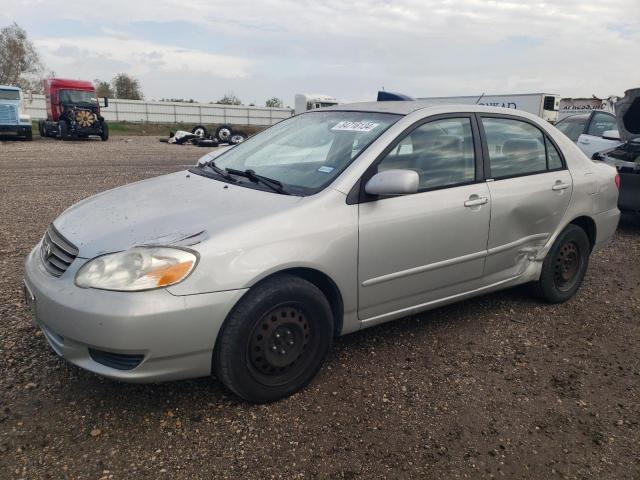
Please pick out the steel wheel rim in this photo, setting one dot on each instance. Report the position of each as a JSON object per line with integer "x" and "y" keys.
{"x": 224, "y": 134}
{"x": 199, "y": 132}
{"x": 237, "y": 138}
{"x": 279, "y": 348}
{"x": 566, "y": 266}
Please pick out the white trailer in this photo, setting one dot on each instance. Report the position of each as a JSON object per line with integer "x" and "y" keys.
{"x": 311, "y": 101}
{"x": 544, "y": 105}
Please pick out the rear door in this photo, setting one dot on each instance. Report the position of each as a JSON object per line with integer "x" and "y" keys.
{"x": 530, "y": 189}
{"x": 414, "y": 249}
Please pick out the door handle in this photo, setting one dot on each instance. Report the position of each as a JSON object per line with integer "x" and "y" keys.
{"x": 560, "y": 186}
{"x": 474, "y": 201}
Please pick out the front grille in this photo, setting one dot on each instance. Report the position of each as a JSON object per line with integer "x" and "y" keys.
{"x": 57, "y": 252}
{"x": 8, "y": 114}
{"x": 119, "y": 361}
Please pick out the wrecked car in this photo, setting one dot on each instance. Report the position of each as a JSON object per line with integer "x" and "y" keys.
{"x": 247, "y": 265}
{"x": 626, "y": 157}
{"x": 593, "y": 132}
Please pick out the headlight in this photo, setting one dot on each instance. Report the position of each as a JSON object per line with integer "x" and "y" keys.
{"x": 25, "y": 118}
{"x": 139, "y": 268}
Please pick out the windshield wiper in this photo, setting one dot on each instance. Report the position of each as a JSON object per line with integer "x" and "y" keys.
{"x": 272, "y": 183}
{"x": 223, "y": 173}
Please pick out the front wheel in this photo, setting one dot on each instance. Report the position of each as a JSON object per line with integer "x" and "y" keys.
{"x": 64, "y": 130}
{"x": 564, "y": 266}
{"x": 275, "y": 340}
{"x": 104, "y": 135}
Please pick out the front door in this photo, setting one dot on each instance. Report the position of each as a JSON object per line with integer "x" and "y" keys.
{"x": 418, "y": 248}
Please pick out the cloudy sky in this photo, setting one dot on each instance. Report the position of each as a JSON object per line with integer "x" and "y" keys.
{"x": 203, "y": 49}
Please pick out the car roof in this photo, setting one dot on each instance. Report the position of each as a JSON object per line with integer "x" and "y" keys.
{"x": 409, "y": 106}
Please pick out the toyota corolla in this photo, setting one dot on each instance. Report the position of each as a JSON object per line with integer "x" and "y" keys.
{"x": 249, "y": 264}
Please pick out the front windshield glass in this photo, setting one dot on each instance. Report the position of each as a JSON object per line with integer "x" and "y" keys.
{"x": 77, "y": 96}
{"x": 306, "y": 152}
{"x": 9, "y": 95}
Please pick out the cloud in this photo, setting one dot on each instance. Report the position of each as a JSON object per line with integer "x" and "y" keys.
{"x": 347, "y": 49}
{"x": 138, "y": 57}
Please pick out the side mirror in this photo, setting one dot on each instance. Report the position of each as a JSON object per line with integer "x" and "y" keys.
{"x": 611, "y": 135}
{"x": 393, "y": 182}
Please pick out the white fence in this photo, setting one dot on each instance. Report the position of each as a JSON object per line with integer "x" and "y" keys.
{"x": 172, "y": 112}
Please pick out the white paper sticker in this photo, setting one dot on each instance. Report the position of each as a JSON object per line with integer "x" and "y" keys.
{"x": 325, "y": 169}
{"x": 362, "y": 126}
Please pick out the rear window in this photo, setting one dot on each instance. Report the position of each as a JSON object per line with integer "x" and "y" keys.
{"x": 573, "y": 126}
{"x": 9, "y": 95}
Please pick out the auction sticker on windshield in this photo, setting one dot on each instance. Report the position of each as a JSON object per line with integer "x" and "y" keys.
{"x": 362, "y": 126}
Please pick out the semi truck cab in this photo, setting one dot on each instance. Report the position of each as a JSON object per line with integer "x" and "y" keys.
{"x": 13, "y": 120}
{"x": 73, "y": 110}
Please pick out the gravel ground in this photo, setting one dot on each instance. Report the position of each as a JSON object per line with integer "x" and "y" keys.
{"x": 500, "y": 386}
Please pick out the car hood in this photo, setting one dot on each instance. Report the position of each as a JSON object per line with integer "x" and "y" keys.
{"x": 177, "y": 209}
{"x": 628, "y": 115}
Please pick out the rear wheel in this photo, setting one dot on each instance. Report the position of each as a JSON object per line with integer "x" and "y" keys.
{"x": 28, "y": 136}
{"x": 41, "y": 129}
{"x": 237, "y": 137}
{"x": 275, "y": 340}
{"x": 564, "y": 266}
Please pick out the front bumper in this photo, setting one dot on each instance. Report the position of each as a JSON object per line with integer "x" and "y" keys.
{"x": 173, "y": 336}
{"x": 17, "y": 129}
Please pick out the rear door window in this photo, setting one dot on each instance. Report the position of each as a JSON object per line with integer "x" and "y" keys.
{"x": 515, "y": 147}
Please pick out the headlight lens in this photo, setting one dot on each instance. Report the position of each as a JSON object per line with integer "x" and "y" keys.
{"x": 139, "y": 268}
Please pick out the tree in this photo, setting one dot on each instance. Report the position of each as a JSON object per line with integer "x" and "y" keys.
{"x": 126, "y": 86}
{"x": 103, "y": 89}
{"x": 274, "y": 102}
{"x": 20, "y": 63}
{"x": 229, "y": 99}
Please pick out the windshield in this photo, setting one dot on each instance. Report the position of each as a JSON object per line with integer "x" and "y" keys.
{"x": 78, "y": 96}
{"x": 305, "y": 153}
{"x": 9, "y": 95}
{"x": 573, "y": 126}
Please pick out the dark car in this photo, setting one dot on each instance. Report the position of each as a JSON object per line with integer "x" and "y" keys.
{"x": 626, "y": 157}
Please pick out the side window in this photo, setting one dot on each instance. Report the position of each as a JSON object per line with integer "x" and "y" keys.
{"x": 440, "y": 151}
{"x": 600, "y": 123}
{"x": 554, "y": 160}
{"x": 515, "y": 147}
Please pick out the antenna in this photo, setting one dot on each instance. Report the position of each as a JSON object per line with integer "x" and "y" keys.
{"x": 479, "y": 98}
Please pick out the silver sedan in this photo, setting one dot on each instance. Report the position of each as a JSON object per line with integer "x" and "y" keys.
{"x": 249, "y": 264}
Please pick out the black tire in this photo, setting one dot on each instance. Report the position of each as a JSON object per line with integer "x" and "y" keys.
{"x": 41, "y": 129}
{"x": 29, "y": 135}
{"x": 223, "y": 133}
{"x": 63, "y": 130}
{"x": 237, "y": 137}
{"x": 564, "y": 267}
{"x": 104, "y": 136}
{"x": 275, "y": 340}
{"x": 208, "y": 143}
{"x": 201, "y": 131}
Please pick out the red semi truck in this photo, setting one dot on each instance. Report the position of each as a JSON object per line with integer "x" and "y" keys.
{"x": 73, "y": 110}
